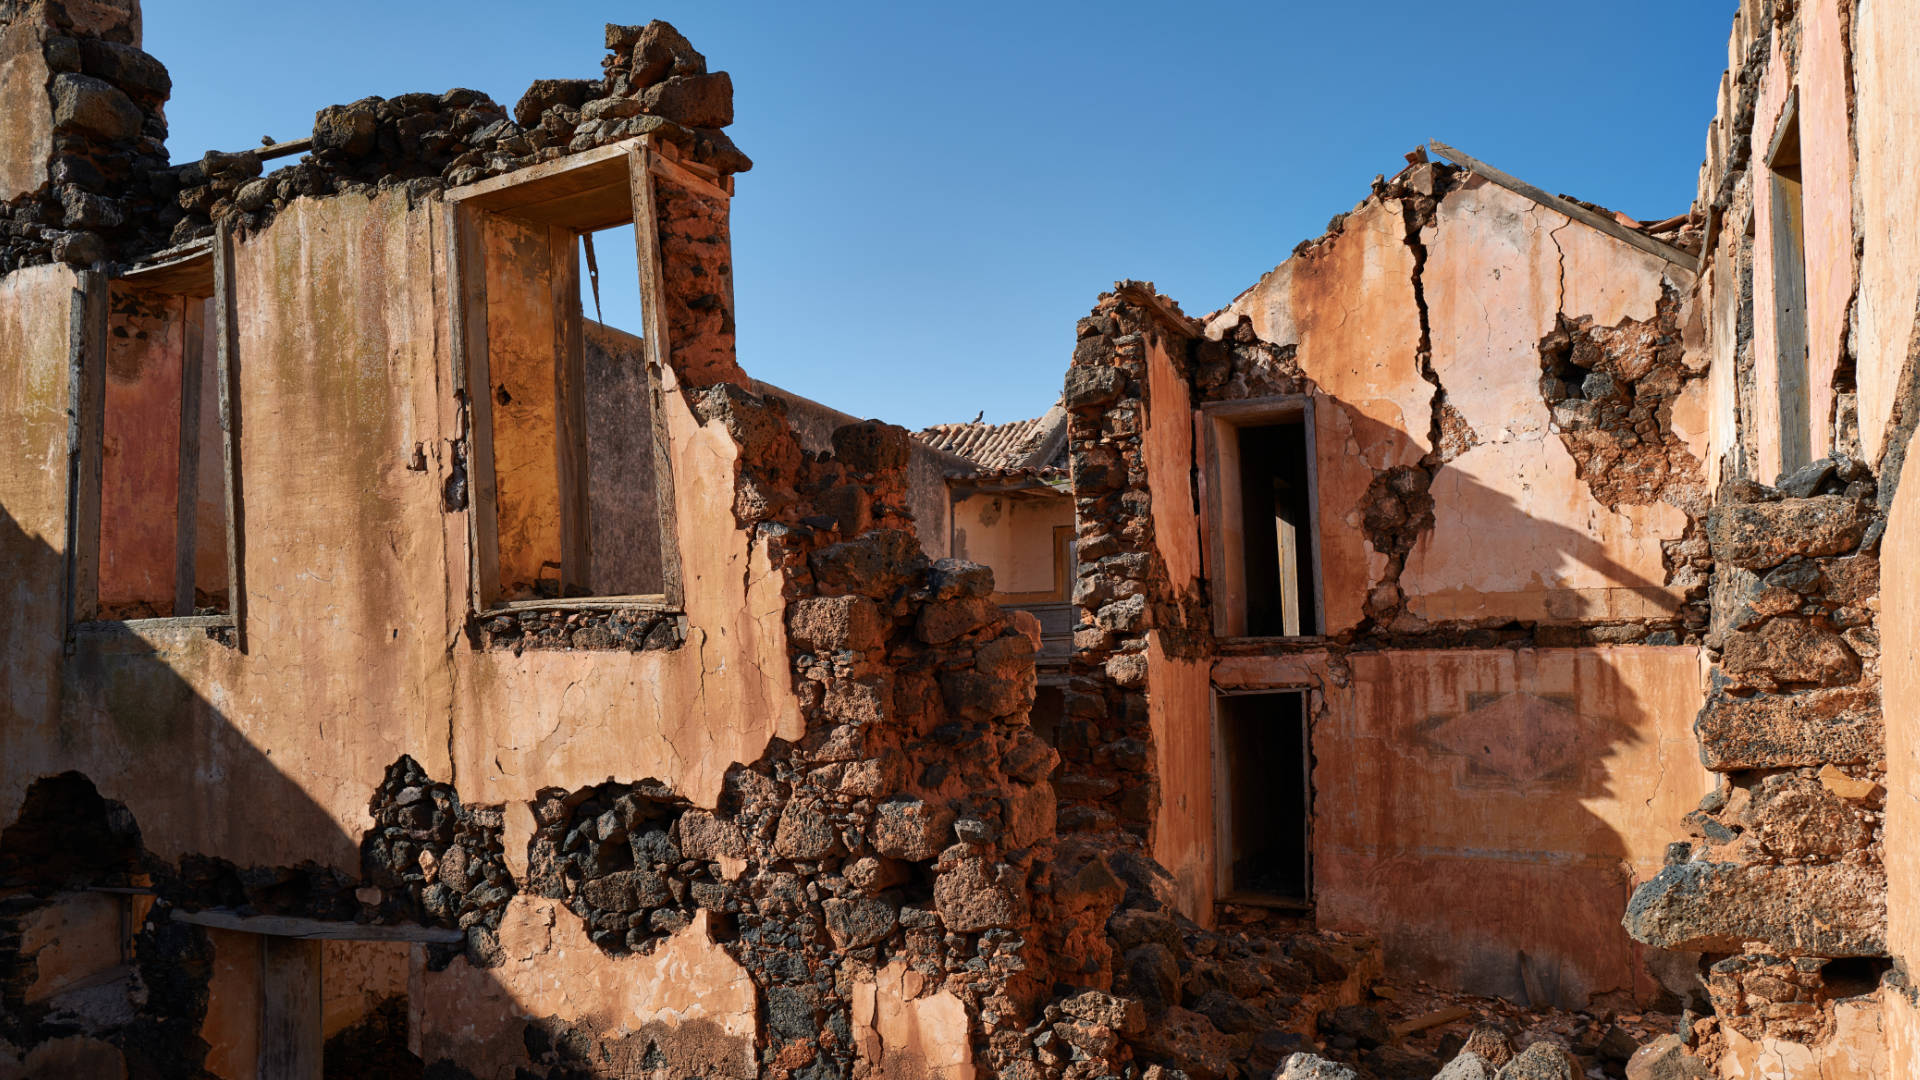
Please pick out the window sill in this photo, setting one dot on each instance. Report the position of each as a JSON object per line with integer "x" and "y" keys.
{"x": 586, "y": 624}
{"x": 1264, "y": 900}
{"x": 220, "y": 628}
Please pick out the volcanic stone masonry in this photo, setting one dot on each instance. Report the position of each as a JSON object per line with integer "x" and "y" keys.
{"x": 1597, "y": 516}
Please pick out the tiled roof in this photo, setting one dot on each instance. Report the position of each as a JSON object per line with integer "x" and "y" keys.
{"x": 1001, "y": 447}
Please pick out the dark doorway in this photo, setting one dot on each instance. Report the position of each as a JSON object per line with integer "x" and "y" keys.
{"x": 1276, "y": 501}
{"x": 1263, "y": 745}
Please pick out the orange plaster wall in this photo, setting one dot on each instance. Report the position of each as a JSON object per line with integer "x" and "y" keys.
{"x": 520, "y": 366}
{"x": 355, "y": 587}
{"x": 1350, "y": 309}
{"x": 1471, "y": 807}
{"x": 34, "y": 306}
{"x": 1180, "y": 710}
{"x": 1168, "y": 453}
{"x": 688, "y": 988}
{"x": 1517, "y": 533}
{"x": 1013, "y": 535}
{"x": 232, "y": 1024}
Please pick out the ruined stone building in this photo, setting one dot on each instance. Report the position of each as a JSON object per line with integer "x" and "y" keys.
{"x": 1503, "y": 604}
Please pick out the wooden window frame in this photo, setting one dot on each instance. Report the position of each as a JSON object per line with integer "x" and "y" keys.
{"x": 581, "y": 193}
{"x": 1219, "y": 423}
{"x": 201, "y": 269}
{"x": 1787, "y": 268}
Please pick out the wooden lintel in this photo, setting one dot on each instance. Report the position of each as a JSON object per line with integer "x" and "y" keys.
{"x": 1597, "y": 222}
{"x": 317, "y": 929}
{"x": 685, "y": 177}
{"x": 1139, "y": 294}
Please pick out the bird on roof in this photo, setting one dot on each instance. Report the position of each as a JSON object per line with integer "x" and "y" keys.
{"x": 977, "y": 417}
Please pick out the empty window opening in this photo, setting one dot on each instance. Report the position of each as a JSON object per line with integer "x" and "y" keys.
{"x": 1049, "y": 706}
{"x": 569, "y": 446}
{"x": 1787, "y": 224}
{"x": 1265, "y": 818}
{"x": 160, "y": 491}
{"x": 1264, "y": 546}
{"x": 1277, "y": 508}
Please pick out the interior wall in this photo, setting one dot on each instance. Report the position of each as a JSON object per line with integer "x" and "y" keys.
{"x": 1013, "y": 534}
{"x": 520, "y": 366}
{"x": 140, "y": 453}
{"x": 1517, "y": 532}
{"x": 1487, "y": 814}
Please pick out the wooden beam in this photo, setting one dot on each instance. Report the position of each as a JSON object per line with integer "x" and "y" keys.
{"x": 283, "y": 149}
{"x": 570, "y": 411}
{"x": 659, "y": 357}
{"x": 1630, "y": 237}
{"x": 281, "y": 926}
{"x": 226, "y": 328}
{"x": 187, "y": 514}
{"x": 292, "y": 1035}
{"x": 86, "y": 427}
{"x": 187, "y": 269}
{"x": 467, "y": 270}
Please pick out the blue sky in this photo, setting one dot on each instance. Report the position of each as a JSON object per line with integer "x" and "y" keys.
{"x": 941, "y": 190}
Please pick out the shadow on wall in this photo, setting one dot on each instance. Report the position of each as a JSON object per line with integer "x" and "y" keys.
{"x": 96, "y": 978}
{"x": 1485, "y": 804}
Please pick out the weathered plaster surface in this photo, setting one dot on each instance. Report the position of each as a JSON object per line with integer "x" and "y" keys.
{"x": 1350, "y": 308}
{"x": 26, "y": 134}
{"x": 1180, "y": 708}
{"x": 904, "y": 1033}
{"x": 232, "y": 1025}
{"x": 1900, "y": 704}
{"x": 1517, "y": 533}
{"x": 1826, "y": 170}
{"x": 1886, "y": 69}
{"x": 570, "y": 719}
{"x": 688, "y": 988}
{"x": 1857, "y": 1050}
{"x": 1167, "y": 450}
{"x": 1471, "y": 807}
{"x": 140, "y": 460}
{"x": 34, "y": 306}
{"x": 1013, "y": 534}
{"x": 1764, "y": 425}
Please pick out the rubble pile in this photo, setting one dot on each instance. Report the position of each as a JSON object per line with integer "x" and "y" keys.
{"x": 106, "y": 183}
{"x": 654, "y": 82}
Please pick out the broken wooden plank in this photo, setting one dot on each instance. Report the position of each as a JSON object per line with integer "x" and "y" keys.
{"x": 1581, "y": 214}
{"x": 318, "y": 929}
{"x": 1430, "y": 1020}
{"x": 283, "y": 149}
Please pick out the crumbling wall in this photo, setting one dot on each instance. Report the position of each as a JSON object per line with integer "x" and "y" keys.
{"x": 1785, "y": 881}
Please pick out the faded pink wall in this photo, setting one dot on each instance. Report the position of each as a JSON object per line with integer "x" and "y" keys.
{"x": 1517, "y": 533}
{"x": 1900, "y": 699}
{"x": 1886, "y": 72}
{"x": 1827, "y": 173}
{"x": 1470, "y": 807}
{"x": 140, "y": 453}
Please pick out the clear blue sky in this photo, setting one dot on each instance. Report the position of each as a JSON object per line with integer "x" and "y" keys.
{"x": 939, "y": 191}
